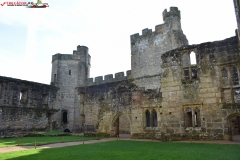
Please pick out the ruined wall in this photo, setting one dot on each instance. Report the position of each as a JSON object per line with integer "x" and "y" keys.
{"x": 104, "y": 103}
{"x": 146, "y": 50}
{"x": 198, "y": 99}
{"x": 68, "y": 72}
{"x": 25, "y": 106}
{"x": 102, "y": 99}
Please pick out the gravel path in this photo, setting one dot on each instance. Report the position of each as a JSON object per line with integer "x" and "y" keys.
{"x": 57, "y": 145}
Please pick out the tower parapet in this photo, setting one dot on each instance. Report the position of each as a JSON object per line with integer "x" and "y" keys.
{"x": 174, "y": 12}
{"x": 146, "y": 49}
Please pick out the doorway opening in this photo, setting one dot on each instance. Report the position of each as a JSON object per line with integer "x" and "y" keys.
{"x": 121, "y": 126}
{"x": 234, "y": 126}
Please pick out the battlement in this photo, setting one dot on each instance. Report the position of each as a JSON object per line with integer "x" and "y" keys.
{"x": 82, "y": 48}
{"x": 59, "y": 56}
{"x": 109, "y": 78}
{"x": 174, "y": 12}
{"x": 172, "y": 16}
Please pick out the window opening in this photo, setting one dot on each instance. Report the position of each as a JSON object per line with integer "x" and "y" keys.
{"x": 154, "y": 118}
{"x": 64, "y": 119}
{"x": 70, "y": 72}
{"x": 193, "y": 58}
{"x": 147, "y": 118}
{"x": 186, "y": 74}
{"x": 224, "y": 74}
{"x": 189, "y": 118}
{"x": 194, "y": 73}
{"x": 23, "y": 96}
{"x": 235, "y": 76}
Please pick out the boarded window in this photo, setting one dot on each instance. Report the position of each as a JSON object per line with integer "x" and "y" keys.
{"x": 235, "y": 76}
{"x": 147, "y": 118}
{"x": 154, "y": 118}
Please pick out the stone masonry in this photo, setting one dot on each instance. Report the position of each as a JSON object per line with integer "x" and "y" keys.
{"x": 164, "y": 96}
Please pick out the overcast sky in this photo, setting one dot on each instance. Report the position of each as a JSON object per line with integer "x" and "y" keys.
{"x": 29, "y": 37}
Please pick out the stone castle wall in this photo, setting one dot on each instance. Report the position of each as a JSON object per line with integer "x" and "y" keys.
{"x": 25, "y": 106}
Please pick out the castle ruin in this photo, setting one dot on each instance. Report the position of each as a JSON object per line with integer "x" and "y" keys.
{"x": 164, "y": 96}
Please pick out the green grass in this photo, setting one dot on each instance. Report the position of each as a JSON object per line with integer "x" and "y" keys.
{"x": 54, "y": 132}
{"x": 121, "y": 150}
{"x": 28, "y": 141}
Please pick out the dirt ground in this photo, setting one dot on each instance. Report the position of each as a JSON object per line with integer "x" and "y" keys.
{"x": 236, "y": 140}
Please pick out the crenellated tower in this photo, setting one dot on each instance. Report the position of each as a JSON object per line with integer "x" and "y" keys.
{"x": 146, "y": 49}
{"x": 68, "y": 72}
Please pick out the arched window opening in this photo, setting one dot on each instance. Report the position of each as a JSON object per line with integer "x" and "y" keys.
{"x": 193, "y": 58}
{"x": 154, "y": 118}
{"x": 147, "y": 118}
{"x": 64, "y": 118}
{"x": 189, "y": 118}
{"x": 235, "y": 79}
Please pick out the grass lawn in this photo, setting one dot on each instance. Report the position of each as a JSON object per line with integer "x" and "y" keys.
{"x": 121, "y": 150}
{"x": 29, "y": 141}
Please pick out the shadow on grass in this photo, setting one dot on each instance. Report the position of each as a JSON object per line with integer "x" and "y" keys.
{"x": 131, "y": 150}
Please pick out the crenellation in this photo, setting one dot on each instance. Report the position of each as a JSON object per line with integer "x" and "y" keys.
{"x": 174, "y": 12}
{"x": 108, "y": 78}
{"x": 59, "y": 56}
{"x": 99, "y": 79}
{"x": 146, "y": 31}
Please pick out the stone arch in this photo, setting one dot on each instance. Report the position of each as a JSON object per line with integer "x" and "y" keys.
{"x": 233, "y": 129}
{"x": 116, "y": 126}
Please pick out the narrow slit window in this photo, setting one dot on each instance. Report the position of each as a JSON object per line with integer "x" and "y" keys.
{"x": 70, "y": 72}
{"x": 147, "y": 118}
{"x": 154, "y": 118}
{"x": 65, "y": 117}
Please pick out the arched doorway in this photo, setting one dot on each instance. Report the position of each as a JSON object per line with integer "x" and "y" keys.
{"x": 121, "y": 126}
{"x": 234, "y": 126}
